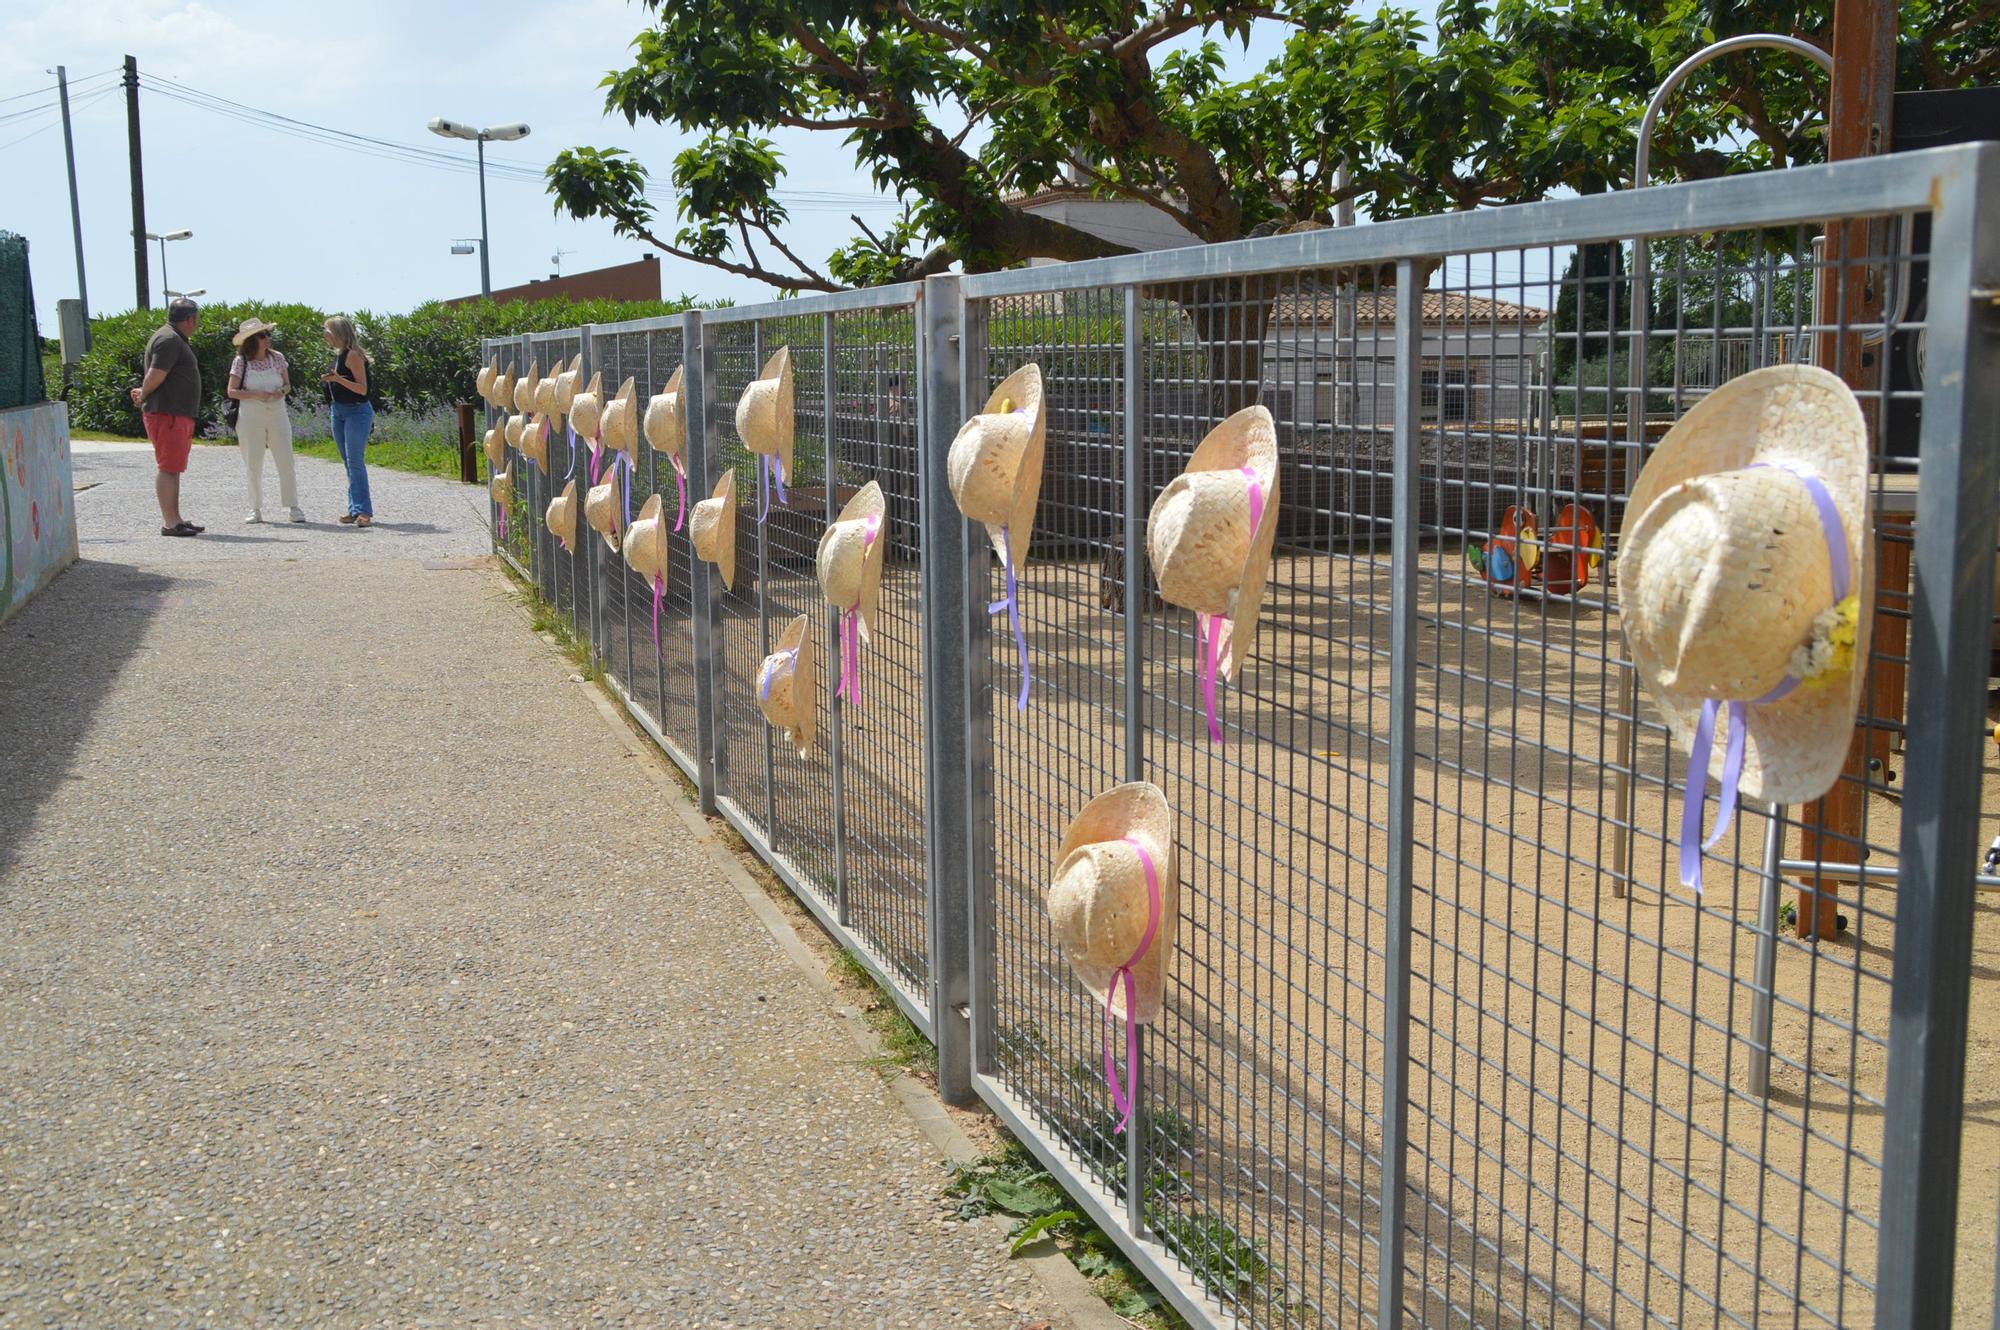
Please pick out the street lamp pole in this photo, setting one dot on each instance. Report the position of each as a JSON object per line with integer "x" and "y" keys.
{"x": 163, "y": 237}
{"x": 451, "y": 129}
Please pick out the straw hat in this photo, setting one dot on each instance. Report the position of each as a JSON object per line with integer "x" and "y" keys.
{"x": 545, "y": 392}
{"x": 1206, "y": 552}
{"x": 513, "y": 428}
{"x": 850, "y": 559}
{"x": 535, "y": 439}
{"x": 566, "y": 384}
{"x": 666, "y": 418}
{"x": 603, "y": 507}
{"x": 524, "y": 388}
{"x": 250, "y": 328}
{"x": 1728, "y": 572}
{"x": 502, "y": 487}
{"x": 483, "y": 382}
{"x": 561, "y": 517}
{"x": 1100, "y": 903}
{"x": 995, "y": 465}
{"x": 764, "y": 412}
{"x": 621, "y": 420}
{"x": 788, "y": 684}
{"x": 586, "y": 408}
{"x": 712, "y": 528}
{"x": 503, "y": 389}
{"x": 646, "y": 541}
{"x": 496, "y": 444}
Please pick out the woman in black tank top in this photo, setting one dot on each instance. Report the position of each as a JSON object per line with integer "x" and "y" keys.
{"x": 353, "y": 414}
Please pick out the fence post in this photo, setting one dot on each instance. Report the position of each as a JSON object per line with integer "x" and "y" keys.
{"x": 972, "y": 635}
{"x": 1951, "y": 607}
{"x": 586, "y": 541}
{"x": 1404, "y": 581}
{"x": 940, "y": 332}
{"x": 705, "y": 596}
{"x": 1135, "y": 712}
{"x": 836, "y": 711}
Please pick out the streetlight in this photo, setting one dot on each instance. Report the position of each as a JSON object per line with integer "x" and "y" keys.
{"x": 163, "y": 239}
{"x": 184, "y": 295}
{"x": 451, "y": 129}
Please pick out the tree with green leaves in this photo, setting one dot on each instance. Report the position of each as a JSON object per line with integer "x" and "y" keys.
{"x": 1489, "y": 104}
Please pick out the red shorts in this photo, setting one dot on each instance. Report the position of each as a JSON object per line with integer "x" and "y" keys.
{"x": 172, "y": 437}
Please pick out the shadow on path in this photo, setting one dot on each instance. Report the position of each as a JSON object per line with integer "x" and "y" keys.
{"x": 58, "y": 658}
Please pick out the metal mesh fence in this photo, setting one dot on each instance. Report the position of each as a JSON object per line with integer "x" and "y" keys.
{"x": 1446, "y": 1039}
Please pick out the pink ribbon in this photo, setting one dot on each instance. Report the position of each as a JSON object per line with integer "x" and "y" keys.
{"x": 1702, "y": 751}
{"x": 659, "y": 591}
{"x": 1125, "y": 1096}
{"x": 850, "y": 633}
{"x": 1210, "y": 625}
{"x": 1012, "y": 604}
{"x": 596, "y": 457}
{"x": 503, "y": 521}
{"x": 681, "y": 480}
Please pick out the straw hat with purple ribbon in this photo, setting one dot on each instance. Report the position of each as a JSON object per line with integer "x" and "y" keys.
{"x": 1115, "y": 903}
{"x": 603, "y": 508}
{"x": 620, "y": 427}
{"x": 561, "y": 517}
{"x": 503, "y": 389}
{"x": 1209, "y": 539}
{"x": 764, "y": 421}
{"x": 496, "y": 444}
{"x": 666, "y": 431}
{"x": 545, "y": 392}
{"x": 1745, "y": 588}
{"x": 586, "y": 407}
{"x": 513, "y": 428}
{"x": 712, "y": 528}
{"x": 524, "y": 388}
{"x": 566, "y": 381}
{"x": 535, "y": 439}
{"x": 995, "y": 472}
{"x": 850, "y": 574}
{"x": 788, "y": 684}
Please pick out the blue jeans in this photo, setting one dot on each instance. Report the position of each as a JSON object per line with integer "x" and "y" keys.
{"x": 353, "y": 422}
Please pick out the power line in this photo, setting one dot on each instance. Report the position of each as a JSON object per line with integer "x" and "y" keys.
{"x": 76, "y": 107}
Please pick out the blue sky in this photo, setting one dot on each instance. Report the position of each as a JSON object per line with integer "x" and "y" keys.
{"x": 277, "y": 217}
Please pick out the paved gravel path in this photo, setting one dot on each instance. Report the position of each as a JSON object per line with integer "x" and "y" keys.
{"x": 352, "y": 972}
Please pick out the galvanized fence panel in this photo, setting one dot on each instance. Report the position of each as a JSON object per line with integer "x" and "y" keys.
{"x": 1446, "y": 1039}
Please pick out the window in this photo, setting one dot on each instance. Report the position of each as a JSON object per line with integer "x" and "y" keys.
{"x": 1443, "y": 395}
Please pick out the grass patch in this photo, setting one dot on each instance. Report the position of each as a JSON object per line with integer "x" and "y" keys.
{"x": 544, "y": 618}
{"x": 423, "y": 457}
{"x": 904, "y": 1047}
{"x": 99, "y": 436}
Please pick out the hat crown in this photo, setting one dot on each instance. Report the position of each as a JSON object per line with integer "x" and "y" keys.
{"x": 1730, "y": 571}
{"x": 984, "y": 464}
{"x": 1199, "y": 539}
{"x": 705, "y": 525}
{"x": 843, "y": 560}
{"x": 1100, "y": 903}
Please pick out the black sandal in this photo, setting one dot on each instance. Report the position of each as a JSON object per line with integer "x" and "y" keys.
{"x": 182, "y": 530}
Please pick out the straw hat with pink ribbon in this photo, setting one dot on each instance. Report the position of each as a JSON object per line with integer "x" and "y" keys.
{"x": 496, "y": 445}
{"x": 666, "y": 431}
{"x": 765, "y": 423}
{"x": 995, "y": 472}
{"x": 561, "y": 517}
{"x": 1745, "y": 587}
{"x": 788, "y": 684}
{"x": 1209, "y": 539}
{"x": 1115, "y": 903}
{"x": 850, "y": 574}
{"x": 603, "y": 509}
{"x": 501, "y": 487}
{"x": 646, "y": 552}
{"x": 712, "y": 528}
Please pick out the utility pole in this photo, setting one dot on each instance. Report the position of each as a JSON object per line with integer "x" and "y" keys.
{"x": 141, "y": 280}
{"x": 75, "y": 210}
{"x": 485, "y": 264}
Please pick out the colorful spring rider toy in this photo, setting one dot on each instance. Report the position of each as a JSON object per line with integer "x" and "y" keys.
{"x": 1519, "y": 560}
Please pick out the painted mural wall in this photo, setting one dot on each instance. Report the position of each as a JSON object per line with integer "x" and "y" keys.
{"x": 37, "y": 507}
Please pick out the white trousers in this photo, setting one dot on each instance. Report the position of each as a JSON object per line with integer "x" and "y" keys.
{"x": 261, "y": 427}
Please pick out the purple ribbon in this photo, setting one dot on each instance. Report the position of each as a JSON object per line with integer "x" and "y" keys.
{"x": 1012, "y": 604}
{"x": 503, "y": 521}
{"x": 681, "y": 481}
{"x": 1127, "y": 1094}
{"x": 1702, "y": 751}
{"x": 572, "y": 453}
{"x": 659, "y": 591}
{"x": 769, "y": 474}
{"x": 596, "y": 457}
{"x": 850, "y": 633}
{"x": 624, "y": 463}
{"x": 771, "y": 671}
{"x": 1210, "y": 625}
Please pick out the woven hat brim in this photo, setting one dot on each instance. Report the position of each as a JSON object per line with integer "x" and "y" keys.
{"x": 646, "y": 541}
{"x": 869, "y": 502}
{"x": 802, "y": 716}
{"x": 603, "y": 501}
{"x": 666, "y": 407}
{"x": 766, "y": 414}
{"x": 535, "y": 441}
{"x": 560, "y": 517}
{"x": 724, "y": 553}
{"x": 625, "y": 419}
{"x": 1247, "y": 439}
{"x": 1794, "y": 748}
{"x": 245, "y": 334}
{"x": 1138, "y": 809}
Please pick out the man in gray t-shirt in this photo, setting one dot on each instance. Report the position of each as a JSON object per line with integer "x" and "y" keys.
{"x": 170, "y": 398}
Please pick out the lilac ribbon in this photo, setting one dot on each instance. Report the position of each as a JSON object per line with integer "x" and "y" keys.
{"x": 1210, "y": 625}
{"x": 625, "y": 463}
{"x": 680, "y": 480}
{"x": 768, "y": 474}
{"x": 659, "y": 591}
{"x": 572, "y": 453}
{"x": 771, "y": 674}
{"x": 1012, "y": 604}
{"x": 1702, "y": 751}
{"x": 850, "y": 634}
{"x": 1125, "y": 1096}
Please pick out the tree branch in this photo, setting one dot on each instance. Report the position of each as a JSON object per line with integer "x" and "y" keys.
{"x": 786, "y": 250}
{"x": 1120, "y": 188}
{"x": 756, "y": 274}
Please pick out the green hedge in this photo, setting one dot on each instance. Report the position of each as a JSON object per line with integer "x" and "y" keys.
{"x": 422, "y": 359}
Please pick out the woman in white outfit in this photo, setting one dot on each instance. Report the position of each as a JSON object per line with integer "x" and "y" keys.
{"x": 259, "y": 379}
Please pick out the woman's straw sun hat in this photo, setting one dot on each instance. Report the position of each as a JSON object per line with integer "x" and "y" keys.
{"x": 621, "y": 420}
{"x": 850, "y": 575}
{"x": 250, "y": 328}
{"x": 764, "y": 421}
{"x": 524, "y": 388}
{"x": 561, "y": 517}
{"x": 1210, "y": 535}
{"x": 788, "y": 684}
{"x": 995, "y": 472}
{"x": 712, "y": 528}
{"x": 603, "y": 508}
{"x": 646, "y": 541}
{"x": 1745, "y": 587}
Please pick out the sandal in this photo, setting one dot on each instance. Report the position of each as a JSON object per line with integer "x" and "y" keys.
{"x": 182, "y": 530}
{"x": 349, "y": 519}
